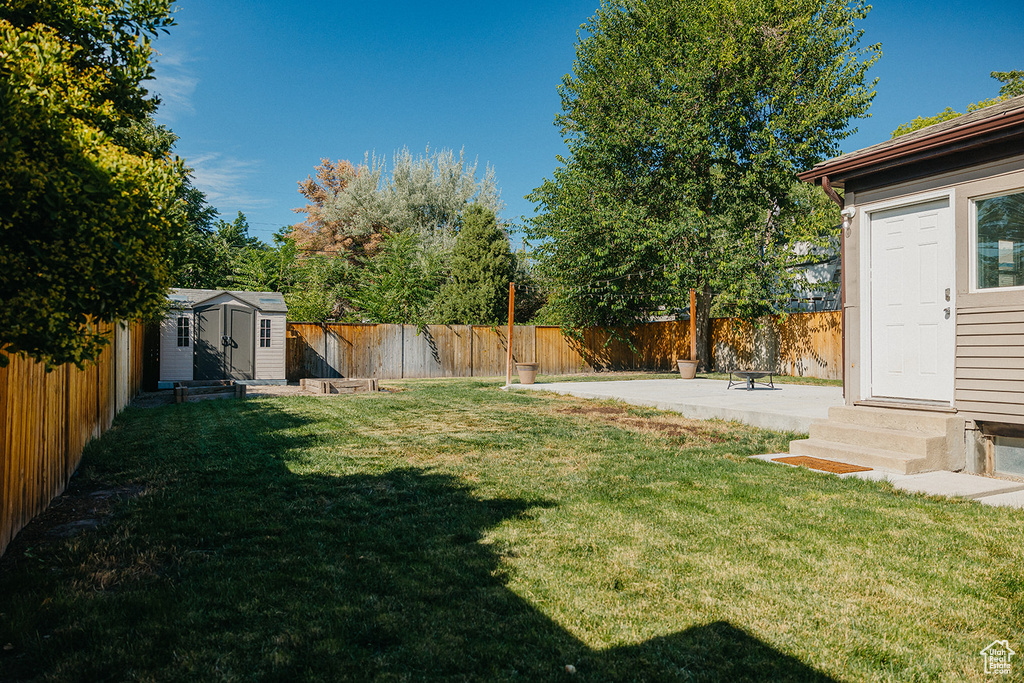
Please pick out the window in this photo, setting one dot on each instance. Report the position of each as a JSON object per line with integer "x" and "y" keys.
{"x": 1000, "y": 245}
{"x": 183, "y": 331}
{"x": 1009, "y": 455}
{"x": 264, "y": 334}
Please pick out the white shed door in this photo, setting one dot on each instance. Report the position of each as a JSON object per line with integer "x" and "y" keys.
{"x": 912, "y": 321}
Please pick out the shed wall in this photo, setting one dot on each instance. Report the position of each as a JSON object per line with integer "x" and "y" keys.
{"x": 176, "y": 361}
{"x": 270, "y": 361}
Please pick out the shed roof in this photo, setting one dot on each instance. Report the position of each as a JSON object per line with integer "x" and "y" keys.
{"x": 268, "y": 302}
{"x": 994, "y": 124}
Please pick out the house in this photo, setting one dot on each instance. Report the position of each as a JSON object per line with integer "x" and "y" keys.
{"x": 816, "y": 278}
{"x": 219, "y": 334}
{"x": 933, "y": 298}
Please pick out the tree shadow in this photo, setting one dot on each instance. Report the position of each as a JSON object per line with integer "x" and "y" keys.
{"x": 377, "y": 573}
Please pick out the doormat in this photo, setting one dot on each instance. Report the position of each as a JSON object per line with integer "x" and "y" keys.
{"x": 821, "y": 465}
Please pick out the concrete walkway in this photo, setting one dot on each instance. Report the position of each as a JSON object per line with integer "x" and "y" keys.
{"x": 786, "y": 408}
{"x": 1000, "y": 492}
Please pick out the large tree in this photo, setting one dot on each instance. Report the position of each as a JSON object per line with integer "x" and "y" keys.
{"x": 86, "y": 200}
{"x": 349, "y": 209}
{"x": 685, "y": 122}
{"x": 369, "y": 228}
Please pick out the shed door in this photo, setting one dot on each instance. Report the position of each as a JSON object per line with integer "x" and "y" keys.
{"x": 912, "y": 322}
{"x": 224, "y": 342}
{"x": 209, "y": 358}
{"x": 240, "y": 347}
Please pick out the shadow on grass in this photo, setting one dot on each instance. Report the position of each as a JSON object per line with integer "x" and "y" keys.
{"x": 235, "y": 567}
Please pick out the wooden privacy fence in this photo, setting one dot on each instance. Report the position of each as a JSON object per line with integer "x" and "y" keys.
{"x": 801, "y": 344}
{"x": 46, "y": 418}
{"x": 397, "y": 351}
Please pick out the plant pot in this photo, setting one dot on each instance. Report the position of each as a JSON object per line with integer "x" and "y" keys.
{"x": 527, "y": 372}
{"x": 687, "y": 369}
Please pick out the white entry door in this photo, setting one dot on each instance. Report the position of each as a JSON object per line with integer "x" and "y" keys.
{"x": 912, "y": 287}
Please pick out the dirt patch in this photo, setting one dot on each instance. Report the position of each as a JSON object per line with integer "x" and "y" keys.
{"x": 622, "y": 416}
{"x": 599, "y": 410}
{"x": 80, "y": 508}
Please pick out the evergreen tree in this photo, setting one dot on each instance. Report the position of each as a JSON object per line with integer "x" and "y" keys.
{"x": 481, "y": 266}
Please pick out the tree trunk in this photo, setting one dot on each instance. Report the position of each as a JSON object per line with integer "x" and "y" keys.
{"x": 703, "y": 318}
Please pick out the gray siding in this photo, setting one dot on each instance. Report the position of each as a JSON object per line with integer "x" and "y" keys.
{"x": 270, "y": 360}
{"x": 990, "y": 364}
{"x": 175, "y": 361}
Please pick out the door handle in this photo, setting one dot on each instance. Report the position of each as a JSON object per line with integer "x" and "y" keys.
{"x": 946, "y": 311}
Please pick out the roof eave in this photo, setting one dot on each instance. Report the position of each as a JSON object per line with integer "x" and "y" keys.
{"x": 917, "y": 149}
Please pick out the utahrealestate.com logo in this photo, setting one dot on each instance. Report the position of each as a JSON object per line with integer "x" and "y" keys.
{"x": 997, "y": 657}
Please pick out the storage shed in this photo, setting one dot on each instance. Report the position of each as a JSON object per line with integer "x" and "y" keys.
{"x": 933, "y": 292}
{"x": 212, "y": 334}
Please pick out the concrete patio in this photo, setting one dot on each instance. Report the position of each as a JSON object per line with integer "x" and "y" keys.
{"x": 786, "y": 408}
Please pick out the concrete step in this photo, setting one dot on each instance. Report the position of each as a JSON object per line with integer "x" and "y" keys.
{"x": 875, "y": 458}
{"x": 911, "y": 443}
{"x": 921, "y": 421}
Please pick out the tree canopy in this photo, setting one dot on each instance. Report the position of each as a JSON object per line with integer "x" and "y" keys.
{"x": 686, "y": 121}
{"x": 1012, "y": 84}
{"x": 87, "y": 187}
{"x": 350, "y": 208}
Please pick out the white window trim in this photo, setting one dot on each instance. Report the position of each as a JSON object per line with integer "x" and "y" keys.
{"x": 972, "y": 217}
{"x": 270, "y": 333}
{"x": 177, "y": 331}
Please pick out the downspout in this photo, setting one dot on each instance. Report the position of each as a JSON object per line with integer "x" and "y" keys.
{"x": 834, "y": 196}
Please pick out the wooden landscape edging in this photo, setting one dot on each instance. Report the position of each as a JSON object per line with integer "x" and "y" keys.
{"x": 806, "y": 344}
{"x": 46, "y": 418}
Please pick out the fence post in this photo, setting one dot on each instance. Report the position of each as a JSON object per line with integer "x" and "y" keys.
{"x": 511, "y": 315}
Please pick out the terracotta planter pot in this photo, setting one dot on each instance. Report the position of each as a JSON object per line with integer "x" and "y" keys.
{"x": 527, "y": 372}
{"x": 687, "y": 369}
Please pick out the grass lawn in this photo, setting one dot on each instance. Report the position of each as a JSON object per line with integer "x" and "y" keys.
{"x": 451, "y": 530}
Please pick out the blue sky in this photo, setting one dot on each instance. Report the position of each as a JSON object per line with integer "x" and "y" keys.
{"x": 259, "y": 91}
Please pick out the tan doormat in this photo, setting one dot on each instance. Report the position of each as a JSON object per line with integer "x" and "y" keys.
{"x": 822, "y": 465}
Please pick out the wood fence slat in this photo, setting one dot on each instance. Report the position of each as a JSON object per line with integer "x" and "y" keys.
{"x": 6, "y": 523}
{"x": 46, "y": 418}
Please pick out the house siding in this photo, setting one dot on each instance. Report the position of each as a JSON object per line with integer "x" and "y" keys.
{"x": 990, "y": 364}
{"x": 270, "y": 362}
{"x": 176, "y": 361}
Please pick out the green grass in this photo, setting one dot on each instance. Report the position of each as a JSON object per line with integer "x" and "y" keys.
{"x": 455, "y": 531}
